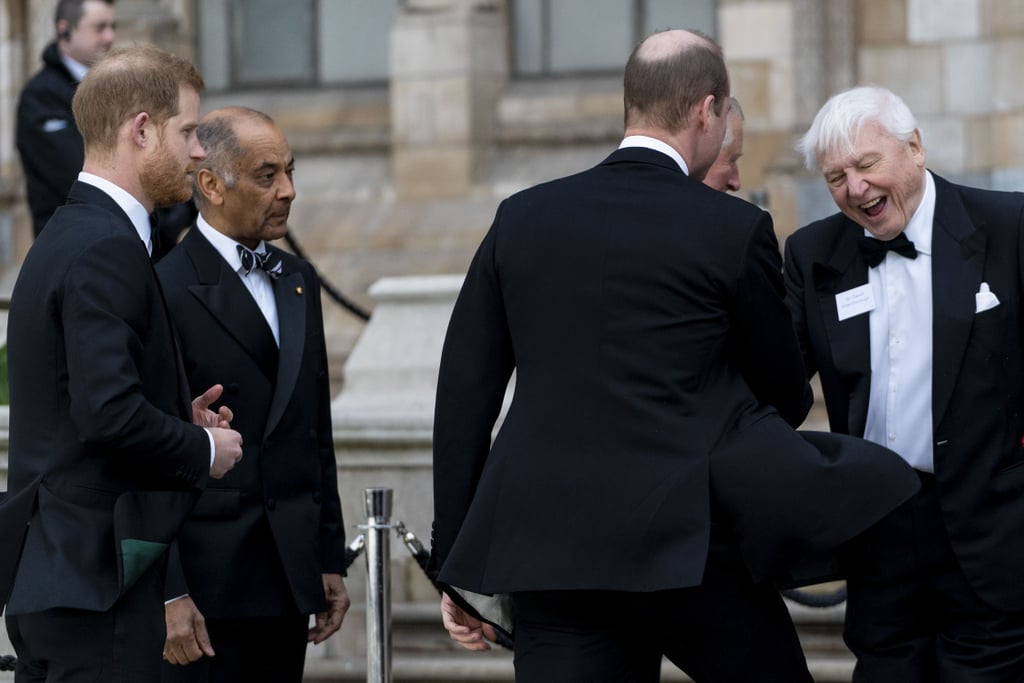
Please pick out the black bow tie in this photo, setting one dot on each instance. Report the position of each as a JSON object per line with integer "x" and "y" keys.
{"x": 266, "y": 261}
{"x": 874, "y": 250}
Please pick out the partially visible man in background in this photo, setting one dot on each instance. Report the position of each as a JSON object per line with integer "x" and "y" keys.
{"x": 48, "y": 139}
{"x": 724, "y": 174}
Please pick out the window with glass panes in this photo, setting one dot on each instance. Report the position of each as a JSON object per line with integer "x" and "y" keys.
{"x": 563, "y": 37}
{"x": 261, "y": 43}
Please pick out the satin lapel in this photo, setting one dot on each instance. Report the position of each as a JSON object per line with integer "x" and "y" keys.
{"x": 958, "y": 259}
{"x": 232, "y": 306}
{"x": 290, "y": 293}
{"x": 850, "y": 339}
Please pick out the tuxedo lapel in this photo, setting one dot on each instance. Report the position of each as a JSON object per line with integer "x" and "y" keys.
{"x": 290, "y": 294}
{"x": 958, "y": 258}
{"x": 232, "y": 306}
{"x": 849, "y": 339}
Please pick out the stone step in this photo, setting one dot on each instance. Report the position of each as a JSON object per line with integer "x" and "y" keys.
{"x": 423, "y": 652}
{"x": 496, "y": 666}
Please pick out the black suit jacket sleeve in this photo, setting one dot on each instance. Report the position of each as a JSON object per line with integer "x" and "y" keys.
{"x": 476, "y": 364}
{"x": 762, "y": 334}
{"x": 48, "y": 140}
{"x": 103, "y": 311}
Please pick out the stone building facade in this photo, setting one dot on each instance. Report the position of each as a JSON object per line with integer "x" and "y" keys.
{"x": 411, "y": 119}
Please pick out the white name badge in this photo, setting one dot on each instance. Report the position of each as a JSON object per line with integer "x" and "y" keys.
{"x": 855, "y": 301}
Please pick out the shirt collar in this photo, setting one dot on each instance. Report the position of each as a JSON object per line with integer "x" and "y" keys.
{"x": 77, "y": 69}
{"x": 919, "y": 227}
{"x": 136, "y": 212}
{"x": 657, "y": 145}
{"x": 225, "y": 246}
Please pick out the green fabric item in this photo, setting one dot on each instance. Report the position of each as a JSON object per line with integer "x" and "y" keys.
{"x": 136, "y": 557}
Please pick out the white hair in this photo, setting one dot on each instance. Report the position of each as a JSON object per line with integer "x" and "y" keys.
{"x": 839, "y": 122}
{"x": 734, "y": 110}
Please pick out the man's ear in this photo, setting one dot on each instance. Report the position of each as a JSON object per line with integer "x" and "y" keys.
{"x": 707, "y": 111}
{"x": 142, "y": 132}
{"x": 917, "y": 147}
{"x": 211, "y": 186}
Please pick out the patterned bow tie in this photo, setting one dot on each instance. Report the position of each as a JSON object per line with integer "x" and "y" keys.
{"x": 268, "y": 262}
{"x": 874, "y": 250}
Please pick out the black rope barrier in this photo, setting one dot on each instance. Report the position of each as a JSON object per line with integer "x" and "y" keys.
{"x": 422, "y": 557}
{"x": 332, "y": 291}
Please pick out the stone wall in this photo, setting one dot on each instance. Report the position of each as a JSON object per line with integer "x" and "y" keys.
{"x": 956, "y": 63}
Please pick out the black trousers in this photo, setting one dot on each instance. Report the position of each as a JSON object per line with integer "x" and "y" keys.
{"x": 727, "y": 630}
{"x": 266, "y": 649}
{"x": 121, "y": 645}
{"x": 911, "y": 615}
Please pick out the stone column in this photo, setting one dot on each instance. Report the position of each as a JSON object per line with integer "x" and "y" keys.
{"x": 449, "y": 64}
{"x": 383, "y": 420}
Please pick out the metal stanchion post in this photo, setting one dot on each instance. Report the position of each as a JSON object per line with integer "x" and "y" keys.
{"x": 378, "y": 584}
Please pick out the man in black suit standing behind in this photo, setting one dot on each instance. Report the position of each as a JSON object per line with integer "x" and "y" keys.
{"x": 249, "y": 314}
{"x": 643, "y": 314}
{"x": 105, "y": 462}
{"x": 48, "y": 140}
{"x": 908, "y": 304}
{"x": 49, "y": 143}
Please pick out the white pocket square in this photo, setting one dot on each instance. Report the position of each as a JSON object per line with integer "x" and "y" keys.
{"x": 985, "y": 299}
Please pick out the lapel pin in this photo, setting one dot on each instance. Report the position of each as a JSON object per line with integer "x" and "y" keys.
{"x": 298, "y": 290}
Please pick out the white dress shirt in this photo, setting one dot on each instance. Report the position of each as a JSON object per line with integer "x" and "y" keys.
{"x": 900, "y": 404}
{"x": 657, "y": 145}
{"x": 257, "y": 282}
{"x": 77, "y": 69}
{"x": 137, "y": 213}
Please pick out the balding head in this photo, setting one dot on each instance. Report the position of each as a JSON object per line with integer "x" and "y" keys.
{"x": 244, "y": 186}
{"x": 669, "y": 74}
{"x": 218, "y": 135}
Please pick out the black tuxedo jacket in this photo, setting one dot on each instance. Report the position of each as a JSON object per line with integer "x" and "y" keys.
{"x": 977, "y": 382}
{"x": 103, "y": 458}
{"x": 261, "y": 537}
{"x": 643, "y": 314}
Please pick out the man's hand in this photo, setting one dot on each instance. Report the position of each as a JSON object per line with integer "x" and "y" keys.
{"x": 466, "y": 630}
{"x": 202, "y": 416}
{"x": 187, "y": 639}
{"x": 337, "y": 604}
{"x": 227, "y": 451}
